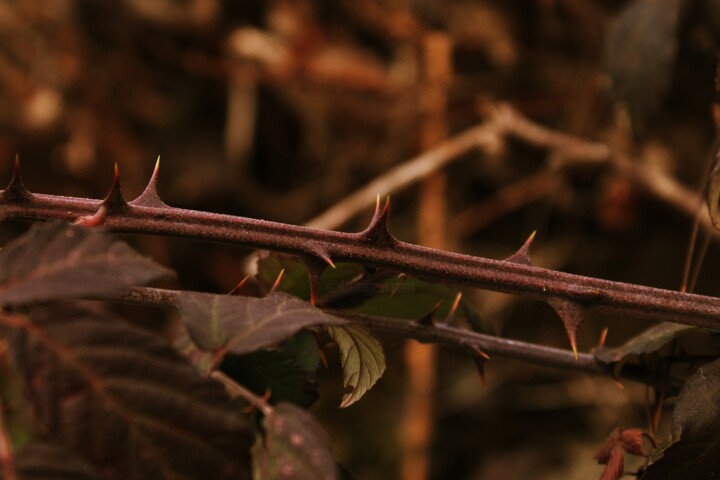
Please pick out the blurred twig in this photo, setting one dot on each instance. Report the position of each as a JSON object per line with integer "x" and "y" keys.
{"x": 504, "y": 121}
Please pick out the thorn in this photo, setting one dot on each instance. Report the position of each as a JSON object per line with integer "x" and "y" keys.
{"x": 252, "y": 407}
{"x": 323, "y": 358}
{"x": 479, "y": 352}
{"x": 322, "y": 253}
{"x": 480, "y": 364}
{"x": 427, "y": 319}
{"x": 277, "y": 280}
{"x": 377, "y": 232}
{"x": 453, "y": 308}
{"x": 400, "y": 280}
{"x": 94, "y": 220}
{"x": 314, "y": 285}
{"x": 603, "y": 337}
{"x": 114, "y": 200}
{"x": 328, "y": 260}
{"x": 522, "y": 256}
{"x": 16, "y": 191}
{"x": 240, "y": 284}
{"x": 315, "y": 266}
{"x": 572, "y": 314}
{"x": 149, "y": 197}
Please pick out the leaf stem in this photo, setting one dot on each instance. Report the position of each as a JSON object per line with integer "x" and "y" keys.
{"x": 237, "y": 390}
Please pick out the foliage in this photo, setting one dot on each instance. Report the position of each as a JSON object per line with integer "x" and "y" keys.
{"x": 282, "y": 108}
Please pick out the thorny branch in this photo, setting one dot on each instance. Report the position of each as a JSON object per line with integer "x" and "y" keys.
{"x": 472, "y": 342}
{"x": 573, "y": 297}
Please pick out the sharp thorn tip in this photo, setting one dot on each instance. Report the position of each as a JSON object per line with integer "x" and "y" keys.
{"x": 278, "y": 280}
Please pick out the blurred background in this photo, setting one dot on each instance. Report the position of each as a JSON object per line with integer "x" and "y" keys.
{"x": 279, "y": 109}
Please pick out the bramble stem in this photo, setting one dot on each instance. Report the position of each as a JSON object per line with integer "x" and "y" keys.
{"x": 440, "y": 334}
{"x": 377, "y": 248}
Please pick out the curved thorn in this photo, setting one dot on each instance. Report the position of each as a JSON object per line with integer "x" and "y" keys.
{"x": 323, "y": 358}
{"x": 240, "y": 284}
{"x": 277, "y": 280}
{"x": 314, "y": 285}
{"x": 328, "y": 260}
{"x": 427, "y": 319}
{"x": 377, "y": 232}
{"x": 480, "y": 365}
{"x": 603, "y": 337}
{"x": 114, "y": 200}
{"x": 94, "y": 220}
{"x": 572, "y": 314}
{"x": 522, "y": 256}
{"x": 400, "y": 280}
{"x": 321, "y": 253}
{"x": 149, "y": 197}
{"x": 479, "y": 352}
{"x": 16, "y": 191}
{"x": 453, "y": 309}
{"x": 315, "y": 265}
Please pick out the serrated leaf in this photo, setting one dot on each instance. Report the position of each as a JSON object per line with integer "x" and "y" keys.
{"x": 126, "y": 401}
{"x": 288, "y": 372}
{"x": 641, "y": 50}
{"x": 695, "y": 429}
{"x": 242, "y": 325}
{"x": 648, "y": 341}
{"x": 295, "y": 447}
{"x": 362, "y": 358}
{"x": 44, "y": 461}
{"x": 55, "y": 261}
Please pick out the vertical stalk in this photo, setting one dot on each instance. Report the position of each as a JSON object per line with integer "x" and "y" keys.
{"x": 420, "y": 359}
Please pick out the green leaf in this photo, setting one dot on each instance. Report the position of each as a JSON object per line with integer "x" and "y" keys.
{"x": 295, "y": 280}
{"x": 55, "y": 261}
{"x": 362, "y": 358}
{"x": 44, "y": 461}
{"x": 695, "y": 430}
{"x": 648, "y": 341}
{"x": 126, "y": 401}
{"x": 288, "y": 372}
{"x": 242, "y": 325}
{"x": 295, "y": 447}
{"x": 411, "y": 299}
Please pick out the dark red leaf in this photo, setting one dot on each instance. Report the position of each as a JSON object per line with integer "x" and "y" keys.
{"x": 56, "y": 260}
{"x": 125, "y": 401}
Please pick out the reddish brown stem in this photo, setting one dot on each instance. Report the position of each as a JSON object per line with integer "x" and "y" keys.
{"x": 373, "y": 247}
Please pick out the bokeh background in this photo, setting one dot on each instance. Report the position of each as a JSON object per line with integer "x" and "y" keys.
{"x": 278, "y": 109}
